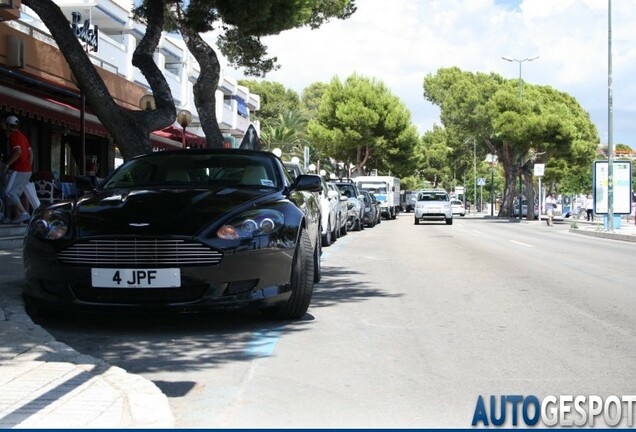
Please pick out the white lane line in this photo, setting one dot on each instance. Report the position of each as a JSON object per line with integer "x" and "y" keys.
{"x": 522, "y": 244}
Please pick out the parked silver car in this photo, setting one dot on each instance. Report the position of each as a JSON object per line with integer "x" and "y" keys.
{"x": 356, "y": 204}
{"x": 329, "y": 213}
{"x": 433, "y": 205}
{"x": 342, "y": 209}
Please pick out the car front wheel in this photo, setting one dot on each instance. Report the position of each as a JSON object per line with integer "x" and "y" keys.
{"x": 302, "y": 283}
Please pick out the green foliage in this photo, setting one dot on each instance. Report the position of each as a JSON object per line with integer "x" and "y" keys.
{"x": 360, "y": 121}
{"x": 312, "y": 98}
{"x": 411, "y": 183}
{"x": 545, "y": 126}
{"x": 276, "y": 100}
{"x": 288, "y": 133}
{"x": 245, "y": 21}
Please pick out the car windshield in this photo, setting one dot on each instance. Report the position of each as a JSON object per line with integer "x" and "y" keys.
{"x": 432, "y": 196}
{"x": 195, "y": 170}
{"x": 347, "y": 190}
{"x": 373, "y": 187}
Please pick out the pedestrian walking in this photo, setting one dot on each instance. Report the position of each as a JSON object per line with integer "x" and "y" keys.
{"x": 18, "y": 170}
{"x": 589, "y": 208}
{"x": 550, "y": 205}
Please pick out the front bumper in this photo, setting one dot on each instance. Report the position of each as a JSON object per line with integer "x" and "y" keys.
{"x": 433, "y": 213}
{"x": 249, "y": 278}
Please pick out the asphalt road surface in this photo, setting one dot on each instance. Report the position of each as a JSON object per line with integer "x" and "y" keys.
{"x": 409, "y": 325}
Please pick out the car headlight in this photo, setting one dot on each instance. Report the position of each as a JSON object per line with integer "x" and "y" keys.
{"x": 251, "y": 224}
{"x": 50, "y": 225}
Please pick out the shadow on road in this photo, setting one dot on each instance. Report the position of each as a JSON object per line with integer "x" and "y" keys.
{"x": 145, "y": 343}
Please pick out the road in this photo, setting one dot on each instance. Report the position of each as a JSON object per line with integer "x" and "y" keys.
{"x": 409, "y": 325}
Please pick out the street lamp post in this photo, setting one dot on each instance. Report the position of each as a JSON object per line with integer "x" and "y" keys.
{"x": 520, "y": 62}
{"x": 475, "y": 172}
{"x": 529, "y": 59}
{"x": 610, "y": 125}
{"x": 184, "y": 118}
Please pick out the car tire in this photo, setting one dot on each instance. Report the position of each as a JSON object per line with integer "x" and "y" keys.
{"x": 301, "y": 282}
{"x": 449, "y": 221}
{"x": 317, "y": 262}
{"x": 326, "y": 238}
{"x": 344, "y": 229}
{"x": 417, "y": 221}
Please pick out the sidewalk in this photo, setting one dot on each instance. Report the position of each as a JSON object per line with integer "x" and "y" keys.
{"x": 46, "y": 384}
{"x": 626, "y": 231}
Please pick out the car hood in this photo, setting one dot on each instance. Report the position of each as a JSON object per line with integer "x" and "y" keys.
{"x": 179, "y": 212}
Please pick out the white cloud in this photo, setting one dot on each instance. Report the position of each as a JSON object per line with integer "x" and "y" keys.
{"x": 401, "y": 41}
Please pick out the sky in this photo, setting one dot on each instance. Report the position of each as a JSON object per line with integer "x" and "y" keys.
{"x": 399, "y": 42}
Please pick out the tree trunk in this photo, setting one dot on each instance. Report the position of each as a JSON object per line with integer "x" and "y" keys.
{"x": 130, "y": 129}
{"x": 208, "y": 80}
{"x": 529, "y": 192}
{"x": 510, "y": 175}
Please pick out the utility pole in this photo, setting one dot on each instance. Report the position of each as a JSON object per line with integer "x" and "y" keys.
{"x": 610, "y": 126}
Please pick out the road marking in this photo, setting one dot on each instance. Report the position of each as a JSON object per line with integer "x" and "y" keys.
{"x": 334, "y": 247}
{"x": 263, "y": 343}
{"x": 522, "y": 244}
{"x": 478, "y": 232}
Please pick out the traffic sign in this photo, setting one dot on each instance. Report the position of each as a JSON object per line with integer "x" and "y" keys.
{"x": 481, "y": 181}
{"x": 539, "y": 169}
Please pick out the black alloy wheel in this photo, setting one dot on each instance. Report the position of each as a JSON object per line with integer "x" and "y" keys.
{"x": 302, "y": 283}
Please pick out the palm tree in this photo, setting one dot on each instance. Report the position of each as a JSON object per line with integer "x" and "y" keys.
{"x": 288, "y": 132}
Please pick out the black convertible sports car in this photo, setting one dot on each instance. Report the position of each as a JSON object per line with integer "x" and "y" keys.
{"x": 184, "y": 230}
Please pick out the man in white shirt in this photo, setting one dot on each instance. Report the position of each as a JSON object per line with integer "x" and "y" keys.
{"x": 550, "y": 205}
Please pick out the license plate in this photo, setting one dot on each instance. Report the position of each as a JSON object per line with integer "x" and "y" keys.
{"x": 136, "y": 278}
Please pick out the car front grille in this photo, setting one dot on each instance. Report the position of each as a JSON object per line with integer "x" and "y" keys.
{"x": 139, "y": 253}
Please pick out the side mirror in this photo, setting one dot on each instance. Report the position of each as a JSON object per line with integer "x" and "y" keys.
{"x": 343, "y": 198}
{"x": 307, "y": 182}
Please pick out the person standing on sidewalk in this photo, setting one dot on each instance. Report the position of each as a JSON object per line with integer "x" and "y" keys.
{"x": 589, "y": 208}
{"x": 550, "y": 205}
{"x": 19, "y": 169}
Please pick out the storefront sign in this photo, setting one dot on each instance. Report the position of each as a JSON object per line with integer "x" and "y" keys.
{"x": 84, "y": 32}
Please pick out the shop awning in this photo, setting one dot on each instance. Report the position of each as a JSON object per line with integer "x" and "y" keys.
{"x": 50, "y": 110}
{"x": 57, "y": 112}
{"x": 176, "y": 134}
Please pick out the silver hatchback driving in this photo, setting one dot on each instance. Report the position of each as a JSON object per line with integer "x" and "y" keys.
{"x": 433, "y": 205}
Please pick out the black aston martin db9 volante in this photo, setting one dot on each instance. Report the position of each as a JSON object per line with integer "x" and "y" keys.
{"x": 184, "y": 230}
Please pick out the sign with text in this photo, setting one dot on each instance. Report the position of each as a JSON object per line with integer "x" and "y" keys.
{"x": 84, "y": 32}
{"x": 539, "y": 170}
{"x": 621, "y": 187}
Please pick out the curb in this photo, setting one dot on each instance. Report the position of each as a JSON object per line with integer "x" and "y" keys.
{"x": 607, "y": 235}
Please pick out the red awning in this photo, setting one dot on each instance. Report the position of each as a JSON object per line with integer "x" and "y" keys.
{"x": 50, "y": 110}
{"x": 176, "y": 134}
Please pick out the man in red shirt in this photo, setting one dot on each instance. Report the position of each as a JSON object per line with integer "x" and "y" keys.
{"x": 19, "y": 165}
